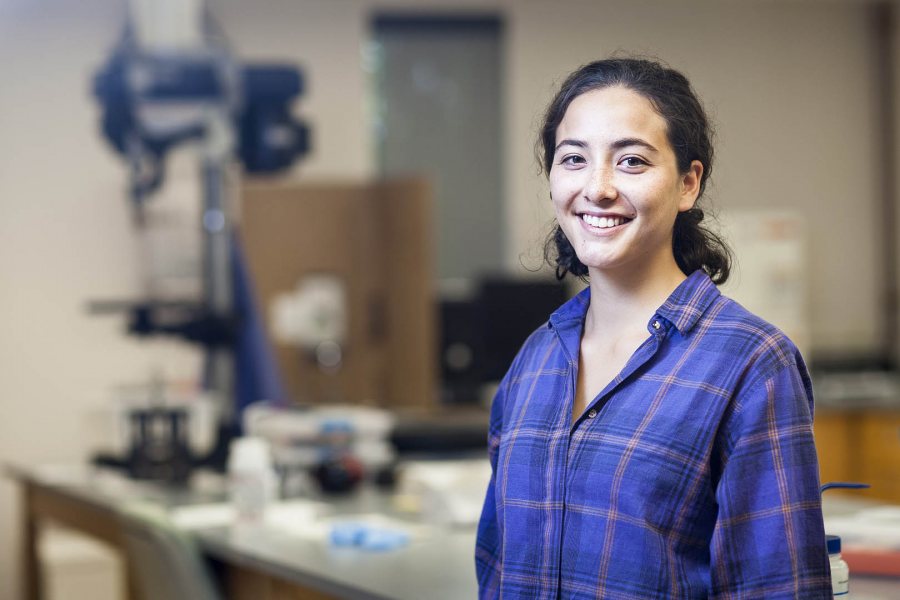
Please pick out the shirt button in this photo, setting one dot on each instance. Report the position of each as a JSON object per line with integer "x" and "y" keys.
{"x": 592, "y": 413}
{"x": 656, "y": 325}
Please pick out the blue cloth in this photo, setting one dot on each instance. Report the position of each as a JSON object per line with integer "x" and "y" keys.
{"x": 257, "y": 374}
{"x": 367, "y": 537}
{"x": 693, "y": 474}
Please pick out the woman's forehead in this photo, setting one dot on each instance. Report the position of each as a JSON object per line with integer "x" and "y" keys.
{"x": 611, "y": 113}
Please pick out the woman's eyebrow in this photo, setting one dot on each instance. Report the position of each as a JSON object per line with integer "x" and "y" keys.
{"x": 616, "y": 145}
{"x": 626, "y": 142}
{"x": 570, "y": 142}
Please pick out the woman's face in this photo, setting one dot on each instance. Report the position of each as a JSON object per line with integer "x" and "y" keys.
{"x": 615, "y": 183}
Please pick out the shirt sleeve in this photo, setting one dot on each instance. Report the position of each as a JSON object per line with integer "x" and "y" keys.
{"x": 769, "y": 538}
{"x": 488, "y": 546}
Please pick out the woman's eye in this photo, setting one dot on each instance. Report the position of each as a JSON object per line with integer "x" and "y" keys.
{"x": 572, "y": 160}
{"x": 633, "y": 162}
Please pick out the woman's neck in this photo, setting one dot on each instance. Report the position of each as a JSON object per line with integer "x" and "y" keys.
{"x": 625, "y": 299}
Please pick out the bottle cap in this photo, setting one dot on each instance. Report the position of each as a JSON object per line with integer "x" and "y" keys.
{"x": 834, "y": 544}
{"x": 249, "y": 453}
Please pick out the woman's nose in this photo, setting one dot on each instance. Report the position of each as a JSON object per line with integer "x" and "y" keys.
{"x": 600, "y": 186}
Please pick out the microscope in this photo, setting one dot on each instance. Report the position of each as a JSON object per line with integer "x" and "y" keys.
{"x": 172, "y": 80}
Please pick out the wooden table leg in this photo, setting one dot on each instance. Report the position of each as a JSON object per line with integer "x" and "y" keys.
{"x": 129, "y": 579}
{"x": 31, "y": 576}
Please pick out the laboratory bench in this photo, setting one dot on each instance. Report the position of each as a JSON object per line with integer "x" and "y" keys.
{"x": 290, "y": 560}
{"x": 255, "y": 562}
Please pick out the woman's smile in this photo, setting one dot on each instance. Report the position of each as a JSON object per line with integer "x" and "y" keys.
{"x": 604, "y": 224}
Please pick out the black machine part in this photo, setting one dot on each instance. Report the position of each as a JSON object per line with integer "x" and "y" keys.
{"x": 269, "y": 138}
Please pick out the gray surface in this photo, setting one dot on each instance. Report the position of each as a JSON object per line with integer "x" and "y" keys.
{"x": 439, "y": 565}
{"x": 439, "y": 568}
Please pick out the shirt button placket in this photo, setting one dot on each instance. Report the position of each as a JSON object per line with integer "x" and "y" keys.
{"x": 592, "y": 413}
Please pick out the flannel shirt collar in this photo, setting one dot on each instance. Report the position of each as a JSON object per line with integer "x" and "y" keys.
{"x": 683, "y": 308}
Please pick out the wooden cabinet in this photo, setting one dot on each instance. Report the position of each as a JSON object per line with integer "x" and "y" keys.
{"x": 373, "y": 237}
{"x": 879, "y": 443}
{"x": 860, "y": 445}
{"x": 835, "y": 445}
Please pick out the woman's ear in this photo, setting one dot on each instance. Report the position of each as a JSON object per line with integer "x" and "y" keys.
{"x": 690, "y": 186}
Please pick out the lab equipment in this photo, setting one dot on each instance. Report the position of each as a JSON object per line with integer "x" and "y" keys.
{"x": 251, "y": 478}
{"x": 840, "y": 572}
{"x": 314, "y": 317}
{"x": 483, "y": 329}
{"x": 157, "y": 93}
{"x": 170, "y": 80}
{"x": 870, "y": 539}
{"x": 156, "y": 431}
{"x": 159, "y": 447}
{"x": 337, "y": 445}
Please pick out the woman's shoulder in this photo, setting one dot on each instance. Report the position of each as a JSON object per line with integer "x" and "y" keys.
{"x": 722, "y": 330}
{"x": 746, "y": 334}
{"x": 536, "y": 344}
{"x": 560, "y": 328}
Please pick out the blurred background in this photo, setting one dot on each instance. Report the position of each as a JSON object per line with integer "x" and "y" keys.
{"x": 419, "y": 211}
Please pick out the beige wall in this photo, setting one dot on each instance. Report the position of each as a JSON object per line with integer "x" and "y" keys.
{"x": 789, "y": 85}
{"x": 64, "y": 239}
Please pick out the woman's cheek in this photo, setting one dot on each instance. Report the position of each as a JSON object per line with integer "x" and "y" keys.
{"x": 562, "y": 192}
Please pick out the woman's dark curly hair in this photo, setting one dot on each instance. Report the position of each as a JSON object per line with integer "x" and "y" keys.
{"x": 695, "y": 246}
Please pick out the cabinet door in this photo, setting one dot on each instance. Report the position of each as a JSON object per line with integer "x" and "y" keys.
{"x": 374, "y": 238}
{"x": 879, "y": 464}
{"x": 838, "y": 455}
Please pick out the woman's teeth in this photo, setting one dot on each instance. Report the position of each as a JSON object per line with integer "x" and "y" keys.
{"x": 603, "y": 222}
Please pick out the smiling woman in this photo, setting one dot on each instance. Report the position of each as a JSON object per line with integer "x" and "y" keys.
{"x": 653, "y": 439}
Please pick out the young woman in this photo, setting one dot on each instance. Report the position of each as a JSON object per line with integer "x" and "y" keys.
{"x": 653, "y": 439}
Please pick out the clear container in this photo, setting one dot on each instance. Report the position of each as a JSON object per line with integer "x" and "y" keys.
{"x": 840, "y": 572}
{"x": 251, "y": 478}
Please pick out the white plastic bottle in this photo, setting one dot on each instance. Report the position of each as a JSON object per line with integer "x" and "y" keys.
{"x": 840, "y": 572}
{"x": 251, "y": 478}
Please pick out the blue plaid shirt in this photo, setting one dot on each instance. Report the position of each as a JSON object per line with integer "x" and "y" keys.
{"x": 692, "y": 475}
